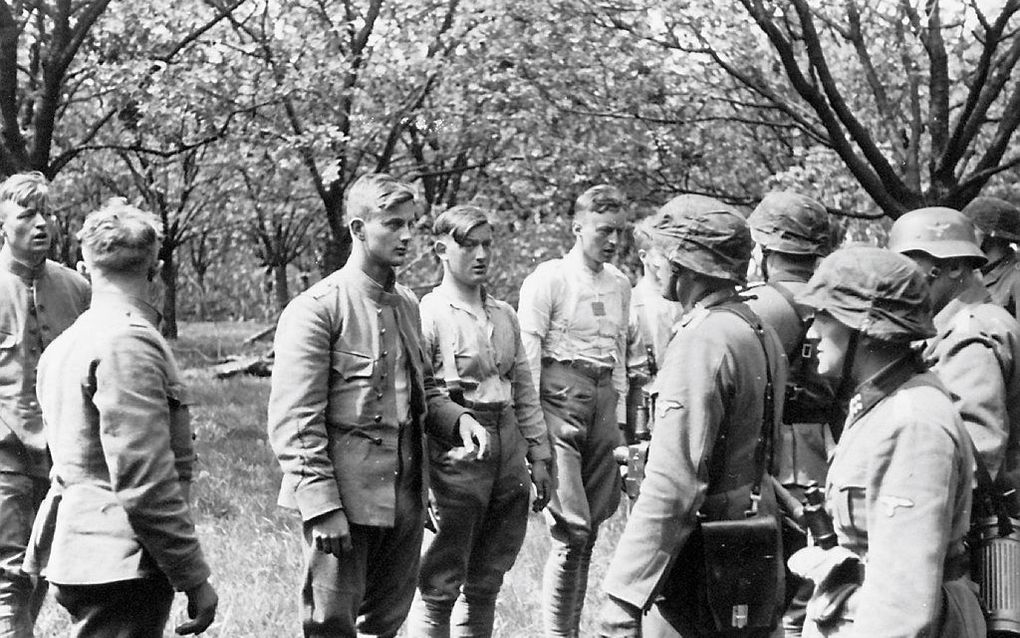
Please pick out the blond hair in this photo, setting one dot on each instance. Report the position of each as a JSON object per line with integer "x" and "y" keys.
{"x": 375, "y": 193}
{"x": 120, "y": 237}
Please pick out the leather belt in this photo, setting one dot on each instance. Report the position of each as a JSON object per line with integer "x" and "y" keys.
{"x": 589, "y": 369}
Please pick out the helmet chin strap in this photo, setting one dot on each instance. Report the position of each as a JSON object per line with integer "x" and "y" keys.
{"x": 674, "y": 280}
{"x": 845, "y": 386}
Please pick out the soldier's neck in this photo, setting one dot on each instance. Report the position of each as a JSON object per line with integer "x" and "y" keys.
{"x": 468, "y": 294}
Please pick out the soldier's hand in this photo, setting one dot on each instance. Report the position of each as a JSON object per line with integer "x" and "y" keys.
{"x": 331, "y": 533}
{"x": 541, "y": 478}
{"x": 619, "y": 619}
{"x": 471, "y": 433}
{"x": 202, "y": 603}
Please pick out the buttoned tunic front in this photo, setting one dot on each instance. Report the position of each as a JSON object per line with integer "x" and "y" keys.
{"x": 976, "y": 354}
{"x": 335, "y": 421}
{"x": 36, "y": 305}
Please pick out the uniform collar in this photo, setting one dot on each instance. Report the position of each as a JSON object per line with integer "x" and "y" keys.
{"x": 716, "y": 298}
{"x": 128, "y": 304}
{"x": 974, "y": 294}
{"x": 487, "y": 301}
{"x": 882, "y": 384}
{"x": 790, "y": 273}
{"x": 21, "y": 269}
{"x": 384, "y": 295}
{"x": 1001, "y": 264}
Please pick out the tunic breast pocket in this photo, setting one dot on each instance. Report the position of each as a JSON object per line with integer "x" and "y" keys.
{"x": 350, "y": 365}
{"x": 850, "y": 509}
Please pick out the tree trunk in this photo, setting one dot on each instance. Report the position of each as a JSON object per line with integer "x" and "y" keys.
{"x": 169, "y": 277}
{"x": 281, "y": 287}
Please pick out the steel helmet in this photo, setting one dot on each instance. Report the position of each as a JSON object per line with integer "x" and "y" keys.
{"x": 791, "y": 223}
{"x": 705, "y": 235}
{"x": 994, "y": 217}
{"x": 941, "y": 232}
{"x": 876, "y": 291}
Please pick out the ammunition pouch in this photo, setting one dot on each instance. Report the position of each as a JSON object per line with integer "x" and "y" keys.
{"x": 726, "y": 577}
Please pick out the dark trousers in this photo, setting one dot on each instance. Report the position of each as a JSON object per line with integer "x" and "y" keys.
{"x": 367, "y": 591}
{"x": 580, "y": 410}
{"x": 21, "y": 596}
{"x": 483, "y": 516}
{"x": 125, "y": 609}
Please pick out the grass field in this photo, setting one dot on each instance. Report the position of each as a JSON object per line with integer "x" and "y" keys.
{"x": 253, "y": 545}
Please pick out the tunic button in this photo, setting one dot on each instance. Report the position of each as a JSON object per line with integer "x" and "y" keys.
{"x": 382, "y": 331}
{"x": 378, "y": 311}
{"x": 378, "y": 418}
{"x": 385, "y": 353}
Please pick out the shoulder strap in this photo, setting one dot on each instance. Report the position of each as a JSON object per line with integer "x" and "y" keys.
{"x": 764, "y": 448}
{"x": 788, "y": 296}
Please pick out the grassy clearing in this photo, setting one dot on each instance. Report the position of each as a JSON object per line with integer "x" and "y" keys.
{"x": 254, "y": 546}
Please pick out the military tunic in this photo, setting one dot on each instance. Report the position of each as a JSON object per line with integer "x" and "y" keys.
{"x": 899, "y": 494}
{"x": 975, "y": 354}
{"x": 1002, "y": 279}
{"x": 712, "y": 381}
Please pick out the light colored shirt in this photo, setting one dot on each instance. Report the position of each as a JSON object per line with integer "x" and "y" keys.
{"x": 570, "y": 312}
{"x": 653, "y": 316}
{"x": 37, "y": 303}
{"x": 484, "y": 357}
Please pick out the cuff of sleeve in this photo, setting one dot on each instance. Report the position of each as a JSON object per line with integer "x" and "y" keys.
{"x": 539, "y": 452}
{"x": 190, "y": 572}
{"x": 318, "y": 498}
{"x": 442, "y": 420}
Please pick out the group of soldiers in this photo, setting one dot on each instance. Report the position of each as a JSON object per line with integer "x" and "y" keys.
{"x": 886, "y": 376}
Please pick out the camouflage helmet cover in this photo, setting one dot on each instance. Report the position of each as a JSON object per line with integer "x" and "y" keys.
{"x": 791, "y": 223}
{"x": 995, "y": 217}
{"x": 704, "y": 235}
{"x": 943, "y": 233}
{"x": 876, "y": 291}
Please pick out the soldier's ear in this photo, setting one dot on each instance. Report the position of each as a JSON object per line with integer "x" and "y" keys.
{"x": 440, "y": 248}
{"x": 357, "y": 227}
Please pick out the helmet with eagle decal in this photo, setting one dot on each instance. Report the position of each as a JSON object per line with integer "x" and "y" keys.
{"x": 942, "y": 233}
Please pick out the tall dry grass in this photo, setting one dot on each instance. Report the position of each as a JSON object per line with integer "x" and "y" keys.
{"x": 253, "y": 546}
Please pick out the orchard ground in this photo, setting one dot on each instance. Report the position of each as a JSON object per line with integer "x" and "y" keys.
{"x": 254, "y": 546}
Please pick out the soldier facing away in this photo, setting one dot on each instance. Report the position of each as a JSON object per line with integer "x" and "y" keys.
{"x": 115, "y": 535}
{"x": 574, "y": 325}
{"x": 474, "y": 344}
{"x": 350, "y": 389}
{"x": 793, "y": 233}
{"x": 712, "y": 406}
{"x": 39, "y": 299}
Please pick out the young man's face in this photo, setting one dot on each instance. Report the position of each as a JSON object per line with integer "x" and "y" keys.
{"x": 833, "y": 342}
{"x": 388, "y": 235}
{"x": 653, "y": 260}
{"x": 26, "y": 229}
{"x": 468, "y": 261}
{"x": 599, "y": 236}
